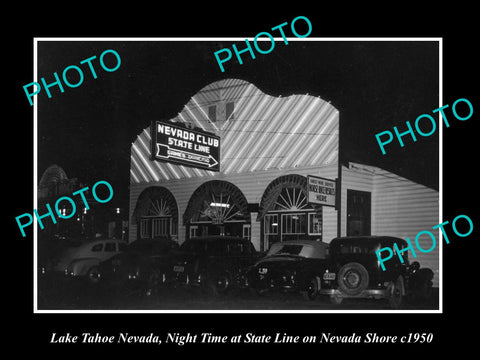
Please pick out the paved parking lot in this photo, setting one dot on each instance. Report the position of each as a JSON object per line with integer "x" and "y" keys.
{"x": 62, "y": 294}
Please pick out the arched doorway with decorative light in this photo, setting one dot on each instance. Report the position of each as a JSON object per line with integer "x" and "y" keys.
{"x": 285, "y": 213}
{"x": 217, "y": 208}
{"x": 156, "y": 214}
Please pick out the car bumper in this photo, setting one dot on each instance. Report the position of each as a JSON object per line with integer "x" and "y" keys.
{"x": 368, "y": 293}
{"x": 275, "y": 284}
{"x": 185, "y": 279}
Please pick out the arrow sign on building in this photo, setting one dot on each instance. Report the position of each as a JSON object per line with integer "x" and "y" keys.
{"x": 165, "y": 152}
{"x": 177, "y": 144}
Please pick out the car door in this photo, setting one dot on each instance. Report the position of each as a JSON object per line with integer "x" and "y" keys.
{"x": 241, "y": 255}
{"x": 97, "y": 250}
{"x": 217, "y": 259}
{"x": 395, "y": 267}
{"x": 109, "y": 249}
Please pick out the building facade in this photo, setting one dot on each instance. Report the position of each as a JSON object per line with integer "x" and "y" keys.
{"x": 269, "y": 147}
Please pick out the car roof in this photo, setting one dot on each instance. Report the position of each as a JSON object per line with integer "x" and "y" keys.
{"x": 367, "y": 240}
{"x": 99, "y": 241}
{"x": 164, "y": 239}
{"x": 213, "y": 238}
{"x": 96, "y": 241}
{"x": 311, "y": 248}
{"x": 303, "y": 242}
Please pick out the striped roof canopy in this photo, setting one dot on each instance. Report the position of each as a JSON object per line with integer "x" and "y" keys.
{"x": 258, "y": 132}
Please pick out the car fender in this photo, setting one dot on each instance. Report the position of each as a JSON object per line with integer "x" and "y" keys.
{"x": 306, "y": 276}
{"x": 80, "y": 267}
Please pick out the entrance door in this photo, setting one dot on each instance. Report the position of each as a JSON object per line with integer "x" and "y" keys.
{"x": 217, "y": 208}
{"x": 358, "y": 212}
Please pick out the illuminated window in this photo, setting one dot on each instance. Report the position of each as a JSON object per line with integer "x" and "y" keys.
{"x": 158, "y": 220}
{"x": 229, "y": 108}
{"x": 271, "y": 224}
{"x": 161, "y": 226}
{"x": 212, "y": 113}
{"x": 294, "y": 224}
{"x": 247, "y": 231}
{"x": 193, "y": 231}
{"x": 314, "y": 224}
{"x": 291, "y": 199}
{"x": 145, "y": 229}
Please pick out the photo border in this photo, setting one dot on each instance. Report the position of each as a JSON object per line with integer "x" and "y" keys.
{"x": 36, "y": 40}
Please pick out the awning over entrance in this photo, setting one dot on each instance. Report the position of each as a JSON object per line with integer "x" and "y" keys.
{"x": 295, "y": 198}
{"x": 218, "y": 201}
{"x": 155, "y": 201}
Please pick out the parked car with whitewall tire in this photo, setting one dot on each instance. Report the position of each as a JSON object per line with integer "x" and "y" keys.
{"x": 212, "y": 263}
{"x": 354, "y": 271}
{"x": 289, "y": 266}
{"x": 83, "y": 260}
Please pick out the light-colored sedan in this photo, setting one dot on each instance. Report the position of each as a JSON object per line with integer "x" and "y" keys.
{"x": 83, "y": 260}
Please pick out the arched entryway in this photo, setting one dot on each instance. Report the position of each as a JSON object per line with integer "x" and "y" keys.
{"x": 156, "y": 214}
{"x": 286, "y": 214}
{"x": 217, "y": 208}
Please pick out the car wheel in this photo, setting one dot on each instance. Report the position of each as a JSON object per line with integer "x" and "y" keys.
{"x": 153, "y": 281}
{"x": 336, "y": 300}
{"x": 353, "y": 278}
{"x": 217, "y": 285}
{"x": 257, "y": 291}
{"x": 205, "y": 283}
{"x": 93, "y": 275}
{"x": 396, "y": 294}
{"x": 311, "y": 292}
{"x": 222, "y": 283}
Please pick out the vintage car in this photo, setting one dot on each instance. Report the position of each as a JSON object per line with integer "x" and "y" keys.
{"x": 83, "y": 259}
{"x": 354, "y": 271}
{"x": 212, "y": 262}
{"x": 50, "y": 248}
{"x": 295, "y": 265}
{"x": 141, "y": 266}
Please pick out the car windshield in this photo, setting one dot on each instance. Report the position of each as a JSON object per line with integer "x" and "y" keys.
{"x": 239, "y": 248}
{"x": 286, "y": 249}
{"x": 356, "y": 249}
{"x": 194, "y": 246}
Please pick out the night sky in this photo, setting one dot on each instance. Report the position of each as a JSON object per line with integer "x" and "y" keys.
{"x": 88, "y": 130}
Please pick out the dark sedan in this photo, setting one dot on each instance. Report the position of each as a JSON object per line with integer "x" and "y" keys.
{"x": 354, "y": 272}
{"x": 142, "y": 265}
{"x": 212, "y": 262}
{"x": 295, "y": 265}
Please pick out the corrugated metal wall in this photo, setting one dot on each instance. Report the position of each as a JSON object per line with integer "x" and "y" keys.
{"x": 400, "y": 208}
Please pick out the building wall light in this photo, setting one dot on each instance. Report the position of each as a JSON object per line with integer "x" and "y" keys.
{"x": 214, "y": 204}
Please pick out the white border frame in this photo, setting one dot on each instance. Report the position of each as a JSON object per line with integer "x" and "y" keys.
{"x": 332, "y": 39}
